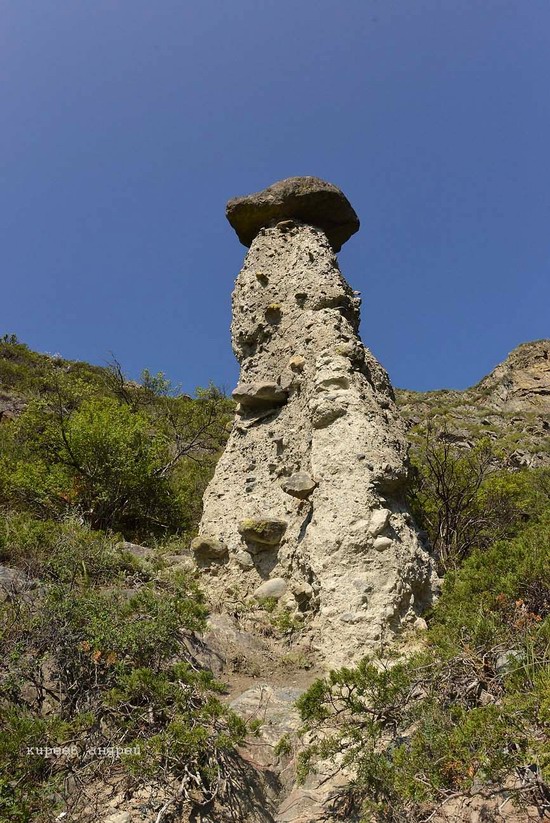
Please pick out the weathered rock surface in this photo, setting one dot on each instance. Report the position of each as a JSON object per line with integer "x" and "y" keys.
{"x": 275, "y": 706}
{"x": 305, "y": 199}
{"x": 523, "y": 378}
{"x": 338, "y": 427}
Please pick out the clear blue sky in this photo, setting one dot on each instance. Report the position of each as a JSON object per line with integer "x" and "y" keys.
{"x": 128, "y": 124}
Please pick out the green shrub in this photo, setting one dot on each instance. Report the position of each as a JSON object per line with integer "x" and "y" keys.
{"x": 474, "y": 707}
{"x": 130, "y": 458}
{"x": 464, "y": 500}
{"x": 62, "y": 551}
{"x": 99, "y": 656}
{"x": 97, "y": 650}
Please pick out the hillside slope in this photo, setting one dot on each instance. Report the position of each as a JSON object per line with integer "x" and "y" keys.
{"x": 93, "y": 626}
{"x": 510, "y": 406}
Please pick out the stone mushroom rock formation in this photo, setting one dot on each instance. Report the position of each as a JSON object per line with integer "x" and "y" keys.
{"x": 305, "y": 199}
{"x": 308, "y": 491}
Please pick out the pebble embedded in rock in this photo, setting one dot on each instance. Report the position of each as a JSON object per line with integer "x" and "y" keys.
{"x": 302, "y": 592}
{"x": 266, "y": 531}
{"x": 297, "y": 362}
{"x": 382, "y": 543}
{"x": 271, "y": 588}
{"x": 378, "y": 522}
{"x": 299, "y": 485}
{"x": 244, "y": 559}
{"x": 208, "y": 548}
{"x": 350, "y": 617}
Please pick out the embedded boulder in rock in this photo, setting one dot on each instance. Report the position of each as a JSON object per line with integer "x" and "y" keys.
{"x": 208, "y": 548}
{"x": 382, "y": 543}
{"x": 299, "y": 485}
{"x": 244, "y": 559}
{"x": 271, "y": 588}
{"x": 259, "y": 394}
{"x": 378, "y": 522}
{"x": 305, "y": 199}
{"x": 309, "y": 487}
{"x": 263, "y": 530}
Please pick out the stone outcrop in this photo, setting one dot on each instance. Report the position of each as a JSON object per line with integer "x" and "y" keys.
{"x": 13, "y": 582}
{"x": 521, "y": 381}
{"x": 308, "y": 490}
{"x": 10, "y": 406}
{"x": 510, "y": 406}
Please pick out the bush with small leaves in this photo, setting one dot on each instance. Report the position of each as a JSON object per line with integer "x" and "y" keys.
{"x": 100, "y": 656}
{"x": 473, "y": 708}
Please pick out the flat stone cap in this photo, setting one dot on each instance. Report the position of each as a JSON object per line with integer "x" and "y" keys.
{"x": 307, "y": 199}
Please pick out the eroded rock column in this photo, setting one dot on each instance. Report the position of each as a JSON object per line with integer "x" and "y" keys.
{"x": 306, "y": 503}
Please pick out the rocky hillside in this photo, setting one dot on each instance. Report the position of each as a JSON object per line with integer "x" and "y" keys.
{"x": 510, "y": 406}
{"x": 262, "y": 652}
